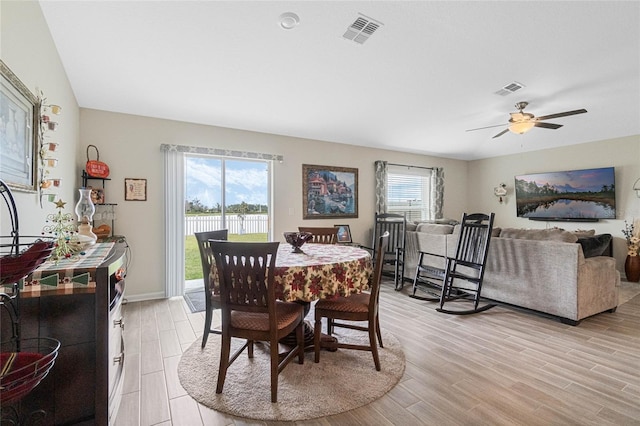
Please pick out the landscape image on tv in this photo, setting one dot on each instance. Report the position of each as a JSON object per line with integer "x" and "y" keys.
{"x": 576, "y": 194}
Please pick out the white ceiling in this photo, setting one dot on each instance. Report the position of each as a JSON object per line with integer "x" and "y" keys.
{"x": 429, "y": 73}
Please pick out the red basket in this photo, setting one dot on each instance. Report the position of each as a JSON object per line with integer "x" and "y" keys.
{"x": 21, "y": 372}
{"x": 15, "y": 267}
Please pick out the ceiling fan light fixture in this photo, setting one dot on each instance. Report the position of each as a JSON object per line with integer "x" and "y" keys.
{"x": 521, "y": 127}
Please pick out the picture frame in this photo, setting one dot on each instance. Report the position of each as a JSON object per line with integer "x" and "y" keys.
{"x": 20, "y": 137}
{"x": 135, "y": 189}
{"x": 329, "y": 192}
{"x": 344, "y": 234}
{"x": 97, "y": 195}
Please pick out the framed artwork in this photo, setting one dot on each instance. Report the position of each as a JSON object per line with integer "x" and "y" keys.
{"x": 135, "y": 189}
{"x": 97, "y": 195}
{"x": 344, "y": 234}
{"x": 19, "y": 132}
{"x": 329, "y": 192}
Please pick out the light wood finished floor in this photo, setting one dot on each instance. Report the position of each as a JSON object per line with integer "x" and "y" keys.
{"x": 500, "y": 367}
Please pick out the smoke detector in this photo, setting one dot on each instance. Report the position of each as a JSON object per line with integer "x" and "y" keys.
{"x": 288, "y": 20}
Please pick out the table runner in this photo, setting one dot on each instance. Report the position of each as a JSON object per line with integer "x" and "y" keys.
{"x": 67, "y": 274}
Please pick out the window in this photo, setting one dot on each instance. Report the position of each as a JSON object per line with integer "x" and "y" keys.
{"x": 224, "y": 192}
{"x": 408, "y": 190}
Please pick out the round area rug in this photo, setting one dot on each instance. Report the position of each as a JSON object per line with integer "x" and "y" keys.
{"x": 341, "y": 381}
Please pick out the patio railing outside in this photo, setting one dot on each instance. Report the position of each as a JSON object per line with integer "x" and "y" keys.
{"x": 250, "y": 224}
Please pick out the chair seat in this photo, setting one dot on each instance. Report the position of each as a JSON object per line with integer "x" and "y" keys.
{"x": 354, "y": 303}
{"x": 287, "y": 313}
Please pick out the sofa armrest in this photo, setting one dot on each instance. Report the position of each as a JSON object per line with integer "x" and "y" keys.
{"x": 598, "y": 285}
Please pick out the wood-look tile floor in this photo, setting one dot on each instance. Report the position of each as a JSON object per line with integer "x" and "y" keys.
{"x": 499, "y": 367}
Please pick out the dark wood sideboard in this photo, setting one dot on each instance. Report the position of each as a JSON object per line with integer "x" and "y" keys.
{"x": 85, "y": 384}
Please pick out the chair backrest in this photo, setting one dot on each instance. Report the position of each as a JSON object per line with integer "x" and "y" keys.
{"x": 473, "y": 241}
{"x": 321, "y": 235}
{"x": 206, "y": 257}
{"x": 383, "y": 242}
{"x": 246, "y": 276}
{"x": 395, "y": 225}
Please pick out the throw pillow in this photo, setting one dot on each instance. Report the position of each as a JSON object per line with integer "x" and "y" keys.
{"x": 539, "y": 234}
{"x": 595, "y": 246}
{"x": 584, "y": 233}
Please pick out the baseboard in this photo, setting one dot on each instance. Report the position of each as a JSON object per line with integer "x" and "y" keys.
{"x": 143, "y": 297}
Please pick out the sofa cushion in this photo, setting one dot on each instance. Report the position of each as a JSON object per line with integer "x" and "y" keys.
{"x": 539, "y": 234}
{"x": 410, "y": 227}
{"x": 596, "y": 245}
{"x": 430, "y": 228}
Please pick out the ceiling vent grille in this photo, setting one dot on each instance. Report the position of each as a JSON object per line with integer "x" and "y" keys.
{"x": 361, "y": 29}
{"x": 510, "y": 88}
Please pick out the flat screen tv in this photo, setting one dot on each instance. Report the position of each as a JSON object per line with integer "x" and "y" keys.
{"x": 574, "y": 195}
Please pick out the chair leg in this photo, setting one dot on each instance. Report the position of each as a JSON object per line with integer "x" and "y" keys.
{"x": 250, "y": 348}
{"x": 207, "y": 326}
{"x": 224, "y": 362}
{"x": 300, "y": 339}
{"x": 374, "y": 346}
{"x": 275, "y": 361}
{"x": 317, "y": 330}
{"x": 378, "y": 331}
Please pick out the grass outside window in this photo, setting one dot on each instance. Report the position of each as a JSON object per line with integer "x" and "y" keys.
{"x": 192, "y": 265}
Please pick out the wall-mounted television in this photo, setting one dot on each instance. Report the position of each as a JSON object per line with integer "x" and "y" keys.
{"x": 573, "y": 195}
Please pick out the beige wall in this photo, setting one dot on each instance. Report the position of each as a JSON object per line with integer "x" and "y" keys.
{"x": 622, "y": 153}
{"x": 27, "y": 48}
{"x": 131, "y": 146}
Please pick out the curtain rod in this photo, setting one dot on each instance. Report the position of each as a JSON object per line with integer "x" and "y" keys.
{"x": 406, "y": 165}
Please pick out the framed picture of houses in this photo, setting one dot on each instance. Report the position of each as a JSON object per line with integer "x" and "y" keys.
{"x": 329, "y": 192}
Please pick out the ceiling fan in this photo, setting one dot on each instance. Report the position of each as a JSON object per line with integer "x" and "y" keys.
{"x": 521, "y": 122}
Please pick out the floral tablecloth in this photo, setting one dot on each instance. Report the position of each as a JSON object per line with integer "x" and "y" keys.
{"x": 322, "y": 270}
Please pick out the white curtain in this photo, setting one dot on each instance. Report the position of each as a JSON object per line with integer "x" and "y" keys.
{"x": 173, "y": 221}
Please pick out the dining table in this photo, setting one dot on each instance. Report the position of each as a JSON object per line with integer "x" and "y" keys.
{"x": 318, "y": 271}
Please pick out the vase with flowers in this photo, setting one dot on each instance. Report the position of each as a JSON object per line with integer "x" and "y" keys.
{"x": 632, "y": 263}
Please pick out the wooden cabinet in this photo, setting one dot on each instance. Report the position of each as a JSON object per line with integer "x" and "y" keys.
{"x": 85, "y": 384}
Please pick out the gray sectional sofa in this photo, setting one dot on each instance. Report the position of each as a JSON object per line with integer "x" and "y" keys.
{"x": 544, "y": 270}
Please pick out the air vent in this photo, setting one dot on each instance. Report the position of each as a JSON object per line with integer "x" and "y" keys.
{"x": 510, "y": 88}
{"x": 361, "y": 29}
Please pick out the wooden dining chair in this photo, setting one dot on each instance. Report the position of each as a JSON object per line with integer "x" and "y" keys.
{"x": 357, "y": 307}
{"x": 321, "y": 235}
{"x": 211, "y": 300}
{"x": 249, "y": 307}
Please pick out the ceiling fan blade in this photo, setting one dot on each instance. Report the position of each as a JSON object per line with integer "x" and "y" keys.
{"x": 488, "y": 127}
{"x": 562, "y": 114}
{"x": 501, "y": 133}
{"x": 548, "y": 125}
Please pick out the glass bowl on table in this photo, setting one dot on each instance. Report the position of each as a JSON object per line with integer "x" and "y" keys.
{"x": 297, "y": 239}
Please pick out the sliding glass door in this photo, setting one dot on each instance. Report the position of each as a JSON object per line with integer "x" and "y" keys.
{"x": 225, "y": 193}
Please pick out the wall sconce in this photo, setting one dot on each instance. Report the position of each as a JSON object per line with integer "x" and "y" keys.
{"x": 500, "y": 191}
{"x": 636, "y": 187}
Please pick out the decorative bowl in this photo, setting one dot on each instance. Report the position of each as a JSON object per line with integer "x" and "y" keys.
{"x": 297, "y": 239}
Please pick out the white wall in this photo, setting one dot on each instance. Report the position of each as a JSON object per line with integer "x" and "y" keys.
{"x": 622, "y": 153}
{"x": 131, "y": 146}
{"x": 28, "y": 50}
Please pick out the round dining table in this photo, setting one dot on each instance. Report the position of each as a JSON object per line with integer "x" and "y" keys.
{"x": 321, "y": 271}
{"x": 318, "y": 271}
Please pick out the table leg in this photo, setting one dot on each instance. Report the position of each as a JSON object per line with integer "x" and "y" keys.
{"x": 325, "y": 340}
